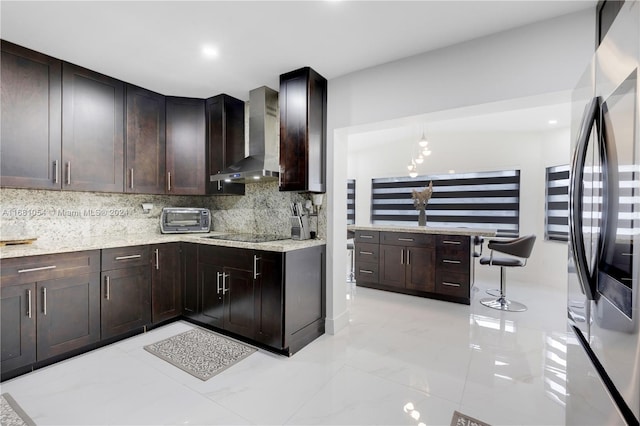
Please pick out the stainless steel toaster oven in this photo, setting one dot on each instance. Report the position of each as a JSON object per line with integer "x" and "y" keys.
{"x": 184, "y": 220}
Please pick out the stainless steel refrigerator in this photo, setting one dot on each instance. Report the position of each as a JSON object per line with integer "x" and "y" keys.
{"x": 603, "y": 345}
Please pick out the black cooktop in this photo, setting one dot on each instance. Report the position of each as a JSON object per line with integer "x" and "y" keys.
{"x": 248, "y": 238}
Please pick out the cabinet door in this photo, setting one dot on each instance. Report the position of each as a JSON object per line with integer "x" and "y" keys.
{"x": 125, "y": 300}
{"x": 392, "y": 269}
{"x": 145, "y": 142}
{"x": 68, "y": 314}
{"x": 92, "y": 131}
{"x": 191, "y": 281}
{"x": 303, "y": 105}
{"x": 225, "y": 140}
{"x": 420, "y": 268}
{"x": 238, "y": 301}
{"x": 268, "y": 297}
{"x": 30, "y": 123}
{"x": 185, "y": 146}
{"x": 166, "y": 284}
{"x": 18, "y": 326}
{"x": 212, "y": 294}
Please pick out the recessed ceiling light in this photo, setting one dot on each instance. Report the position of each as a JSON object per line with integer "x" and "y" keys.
{"x": 209, "y": 51}
{"x": 552, "y": 122}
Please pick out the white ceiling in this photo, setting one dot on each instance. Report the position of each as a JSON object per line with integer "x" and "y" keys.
{"x": 157, "y": 44}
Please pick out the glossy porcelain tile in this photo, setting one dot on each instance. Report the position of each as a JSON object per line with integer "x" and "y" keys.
{"x": 403, "y": 360}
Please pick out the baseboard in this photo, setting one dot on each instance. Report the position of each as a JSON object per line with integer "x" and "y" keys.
{"x": 334, "y": 325}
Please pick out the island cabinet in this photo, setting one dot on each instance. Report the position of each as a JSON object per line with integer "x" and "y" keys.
{"x": 274, "y": 299}
{"x": 126, "y": 290}
{"x": 225, "y": 141}
{"x": 303, "y": 128}
{"x": 145, "y": 141}
{"x": 166, "y": 282}
{"x": 92, "y": 131}
{"x": 185, "y": 138}
{"x": 30, "y": 123}
{"x": 50, "y": 305}
{"x": 422, "y": 264}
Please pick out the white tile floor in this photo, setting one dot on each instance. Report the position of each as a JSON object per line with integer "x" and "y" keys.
{"x": 403, "y": 360}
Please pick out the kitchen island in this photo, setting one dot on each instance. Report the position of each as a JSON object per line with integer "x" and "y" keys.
{"x": 420, "y": 261}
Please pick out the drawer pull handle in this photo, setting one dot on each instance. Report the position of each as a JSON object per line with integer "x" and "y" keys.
{"x": 405, "y": 239}
{"x": 455, "y": 262}
{"x": 366, "y": 252}
{"x": 42, "y": 268}
{"x": 133, "y": 256}
{"x": 366, "y": 236}
{"x": 365, "y": 271}
{"x": 456, "y": 243}
{"x": 448, "y": 284}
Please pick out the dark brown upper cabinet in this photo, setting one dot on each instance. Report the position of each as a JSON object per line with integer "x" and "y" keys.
{"x": 303, "y": 124}
{"x": 186, "y": 174}
{"x": 145, "y": 170}
{"x": 92, "y": 131}
{"x": 31, "y": 118}
{"x": 225, "y": 140}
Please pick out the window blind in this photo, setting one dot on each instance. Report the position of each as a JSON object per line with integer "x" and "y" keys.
{"x": 556, "y": 227}
{"x": 351, "y": 201}
{"x": 485, "y": 200}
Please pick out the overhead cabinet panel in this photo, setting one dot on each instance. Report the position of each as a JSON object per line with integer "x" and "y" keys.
{"x": 92, "y": 130}
{"x": 30, "y": 120}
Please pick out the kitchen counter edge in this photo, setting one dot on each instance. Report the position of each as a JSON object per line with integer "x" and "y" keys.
{"x": 41, "y": 247}
{"x": 471, "y": 232}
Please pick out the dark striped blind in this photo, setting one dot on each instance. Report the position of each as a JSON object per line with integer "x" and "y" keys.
{"x": 485, "y": 200}
{"x": 556, "y": 226}
{"x": 351, "y": 201}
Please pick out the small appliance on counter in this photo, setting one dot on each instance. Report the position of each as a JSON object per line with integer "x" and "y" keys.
{"x": 185, "y": 220}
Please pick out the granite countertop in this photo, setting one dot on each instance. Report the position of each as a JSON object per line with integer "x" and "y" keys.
{"x": 45, "y": 246}
{"x": 472, "y": 232}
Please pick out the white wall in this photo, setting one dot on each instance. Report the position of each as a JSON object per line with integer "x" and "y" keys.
{"x": 545, "y": 57}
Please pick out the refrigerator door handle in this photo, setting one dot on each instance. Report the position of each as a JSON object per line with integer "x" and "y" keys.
{"x": 585, "y": 277}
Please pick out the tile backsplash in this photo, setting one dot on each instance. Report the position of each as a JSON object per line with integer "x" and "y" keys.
{"x": 57, "y": 215}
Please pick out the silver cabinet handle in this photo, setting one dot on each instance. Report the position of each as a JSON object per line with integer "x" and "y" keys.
{"x": 56, "y": 172}
{"x": 169, "y": 181}
{"x": 366, "y": 252}
{"x": 402, "y": 257}
{"x": 68, "y": 172}
{"x": 365, "y": 271}
{"x": 29, "y": 303}
{"x": 408, "y": 257}
{"x": 448, "y": 284}
{"x": 224, "y": 283}
{"x": 218, "y": 275}
{"x": 107, "y": 287}
{"x": 44, "y": 300}
{"x": 457, "y": 243}
{"x": 157, "y": 251}
{"x": 455, "y": 262}
{"x": 366, "y": 236}
{"x": 255, "y": 266}
{"x": 219, "y": 185}
{"x": 131, "y": 182}
{"x": 42, "y": 268}
{"x": 132, "y": 256}
{"x": 405, "y": 239}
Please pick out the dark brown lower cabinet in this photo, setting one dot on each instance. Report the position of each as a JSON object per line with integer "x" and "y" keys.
{"x": 18, "y": 326}
{"x": 166, "y": 282}
{"x": 407, "y": 267}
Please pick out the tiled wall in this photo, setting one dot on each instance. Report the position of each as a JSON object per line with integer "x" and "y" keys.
{"x": 59, "y": 214}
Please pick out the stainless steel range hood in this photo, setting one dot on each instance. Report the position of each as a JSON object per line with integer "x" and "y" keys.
{"x": 263, "y": 162}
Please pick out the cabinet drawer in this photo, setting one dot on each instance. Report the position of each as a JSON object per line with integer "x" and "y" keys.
{"x": 366, "y": 272}
{"x": 124, "y": 257}
{"x": 367, "y": 252}
{"x": 452, "y": 283}
{"x": 407, "y": 239}
{"x": 19, "y": 270}
{"x": 231, "y": 257}
{"x": 367, "y": 237}
{"x": 453, "y": 253}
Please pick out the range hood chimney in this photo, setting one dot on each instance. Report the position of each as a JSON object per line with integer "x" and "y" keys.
{"x": 263, "y": 162}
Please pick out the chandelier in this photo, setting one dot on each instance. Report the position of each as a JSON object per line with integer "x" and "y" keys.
{"x": 423, "y": 151}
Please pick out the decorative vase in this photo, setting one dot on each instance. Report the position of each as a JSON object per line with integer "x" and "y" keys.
{"x": 422, "y": 218}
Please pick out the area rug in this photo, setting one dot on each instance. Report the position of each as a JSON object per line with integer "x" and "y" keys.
{"x": 200, "y": 352}
{"x": 11, "y": 414}
{"x": 460, "y": 419}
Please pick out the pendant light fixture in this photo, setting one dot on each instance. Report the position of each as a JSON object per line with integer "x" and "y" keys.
{"x": 423, "y": 151}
